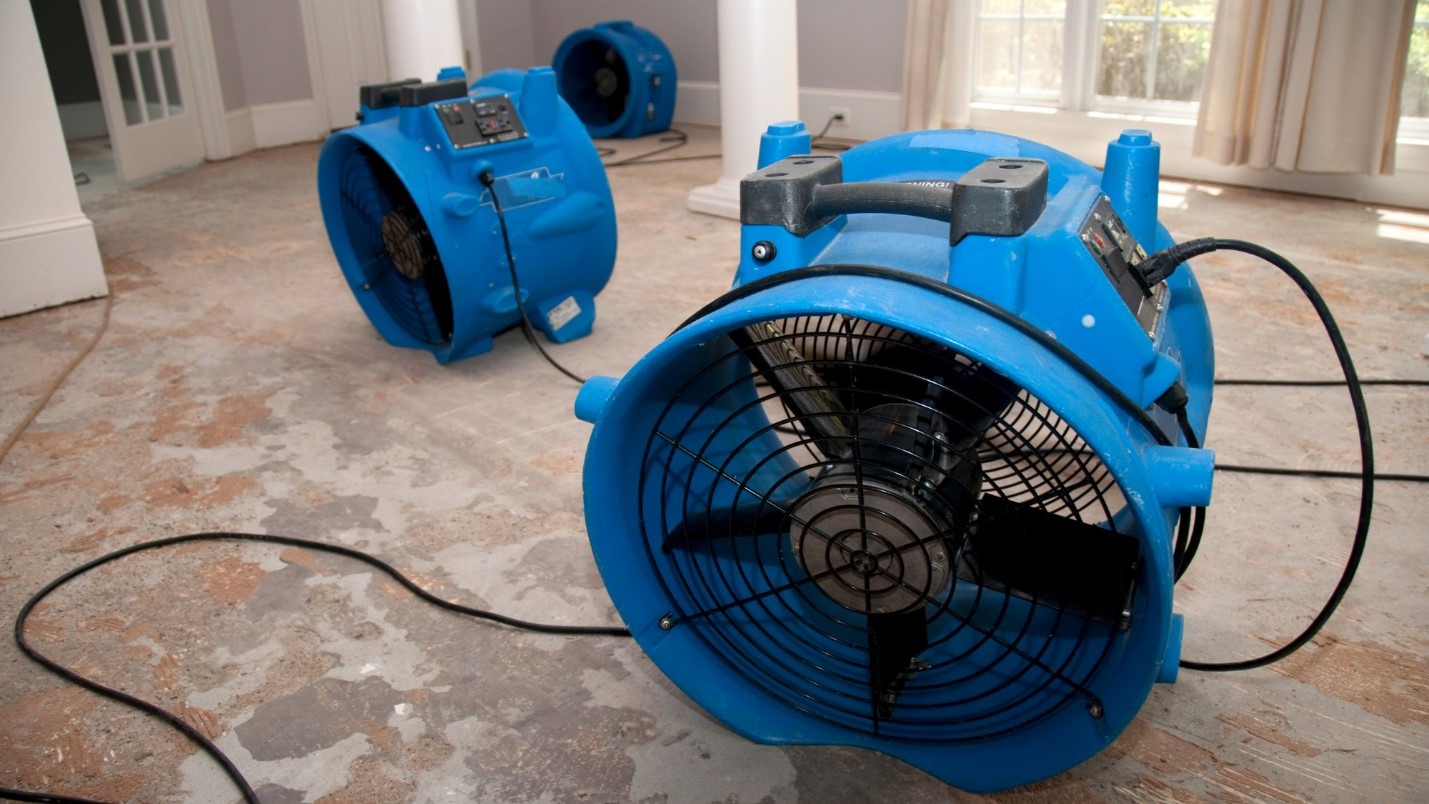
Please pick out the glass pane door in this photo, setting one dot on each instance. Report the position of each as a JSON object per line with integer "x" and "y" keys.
{"x": 143, "y": 54}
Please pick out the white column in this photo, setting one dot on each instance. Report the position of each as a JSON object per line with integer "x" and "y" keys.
{"x": 48, "y": 252}
{"x": 758, "y": 85}
{"x": 422, "y": 37}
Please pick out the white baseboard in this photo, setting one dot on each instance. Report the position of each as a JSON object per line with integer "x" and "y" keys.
{"x": 50, "y": 263}
{"x": 288, "y": 122}
{"x": 269, "y": 125}
{"x": 870, "y": 114}
{"x": 82, "y": 121}
{"x": 240, "y": 131}
{"x": 697, "y": 103}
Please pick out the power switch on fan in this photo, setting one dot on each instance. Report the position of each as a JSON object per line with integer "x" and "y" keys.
{"x": 472, "y": 123}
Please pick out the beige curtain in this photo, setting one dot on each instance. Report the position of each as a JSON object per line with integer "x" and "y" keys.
{"x": 938, "y": 64}
{"x": 1305, "y": 85}
{"x": 923, "y": 71}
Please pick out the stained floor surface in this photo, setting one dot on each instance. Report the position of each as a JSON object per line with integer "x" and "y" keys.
{"x": 239, "y": 387}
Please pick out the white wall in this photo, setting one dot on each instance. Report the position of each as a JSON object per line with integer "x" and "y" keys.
{"x": 48, "y": 252}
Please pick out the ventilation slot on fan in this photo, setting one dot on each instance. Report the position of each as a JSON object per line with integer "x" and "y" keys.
{"x": 918, "y": 507}
{"x": 618, "y": 78}
{"x": 414, "y": 228}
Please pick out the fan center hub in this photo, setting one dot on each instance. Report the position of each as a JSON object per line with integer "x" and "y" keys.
{"x": 607, "y": 83}
{"x": 869, "y": 546}
{"x": 401, "y": 238}
{"x": 863, "y": 562}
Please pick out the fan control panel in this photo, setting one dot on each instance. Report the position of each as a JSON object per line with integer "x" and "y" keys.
{"x": 1118, "y": 254}
{"x": 473, "y": 122}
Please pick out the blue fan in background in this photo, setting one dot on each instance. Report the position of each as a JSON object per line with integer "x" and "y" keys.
{"x": 618, "y": 78}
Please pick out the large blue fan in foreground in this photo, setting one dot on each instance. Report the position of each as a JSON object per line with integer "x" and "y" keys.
{"x": 906, "y": 486}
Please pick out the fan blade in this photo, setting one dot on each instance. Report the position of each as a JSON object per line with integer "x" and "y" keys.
{"x": 1052, "y": 560}
{"x": 755, "y": 518}
{"x": 894, "y": 642}
{"x": 970, "y": 396}
{"x": 815, "y": 405}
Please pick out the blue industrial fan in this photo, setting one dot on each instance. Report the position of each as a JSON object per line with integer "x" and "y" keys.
{"x": 407, "y": 199}
{"x": 907, "y": 486}
{"x": 619, "y": 78}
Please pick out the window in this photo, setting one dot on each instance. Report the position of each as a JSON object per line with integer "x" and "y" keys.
{"x": 1020, "y": 49}
{"x": 1114, "y": 55}
{"x": 1414, "y": 100}
{"x": 1153, "y": 49}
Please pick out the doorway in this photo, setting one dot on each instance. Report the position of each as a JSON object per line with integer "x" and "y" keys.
{"x": 76, "y": 87}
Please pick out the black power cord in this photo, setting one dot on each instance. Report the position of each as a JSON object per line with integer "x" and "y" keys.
{"x": 489, "y": 180}
{"x": 814, "y": 142}
{"x": 1163, "y": 264}
{"x": 675, "y": 137}
{"x": 179, "y": 723}
{"x": 1321, "y": 383}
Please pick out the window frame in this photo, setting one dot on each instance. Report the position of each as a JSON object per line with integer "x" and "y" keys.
{"x": 1415, "y": 128}
{"x": 1081, "y": 63}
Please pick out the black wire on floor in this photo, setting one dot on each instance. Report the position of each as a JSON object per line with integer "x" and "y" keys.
{"x": 675, "y": 137}
{"x": 202, "y": 741}
{"x": 1321, "y": 383}
{"x": 815, "y": 142}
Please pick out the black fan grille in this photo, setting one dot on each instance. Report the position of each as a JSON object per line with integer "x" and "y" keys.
{"x": 595, "y": 81}
{"x": 397, "y": 258}
{"x": 765, "y": 500}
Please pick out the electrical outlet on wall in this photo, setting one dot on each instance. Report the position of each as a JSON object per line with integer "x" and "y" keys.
{"x": 842, "y": 115}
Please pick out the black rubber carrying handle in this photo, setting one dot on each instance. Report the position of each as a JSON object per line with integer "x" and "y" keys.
{"x": 891, "y": 197}
{"x": 1003, "y": 196}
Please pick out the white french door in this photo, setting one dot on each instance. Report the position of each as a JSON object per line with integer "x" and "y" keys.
{"x": 144, "y": 82}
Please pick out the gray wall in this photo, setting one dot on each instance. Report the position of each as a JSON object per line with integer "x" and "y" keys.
{"x": 260, "y": 50}
{"x": 505, "y": 32}
{"x": 67, "y": 57}
{"x": 852, "y": 44}
{"x": 843, "y": 44}
{"x": 225, "y": 53}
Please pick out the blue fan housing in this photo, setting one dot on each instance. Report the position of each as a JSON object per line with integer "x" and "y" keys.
{"x": 619, "y": 78}
{"x": 1042, "y": 630}
{"x": 415, "y": 230}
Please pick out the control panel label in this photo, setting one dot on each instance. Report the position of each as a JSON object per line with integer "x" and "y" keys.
{"x": 473, "y": 122}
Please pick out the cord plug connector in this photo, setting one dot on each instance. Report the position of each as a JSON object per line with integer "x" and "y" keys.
{"x": 1156, "y": 268}
{"x": 1175, "y": 398}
